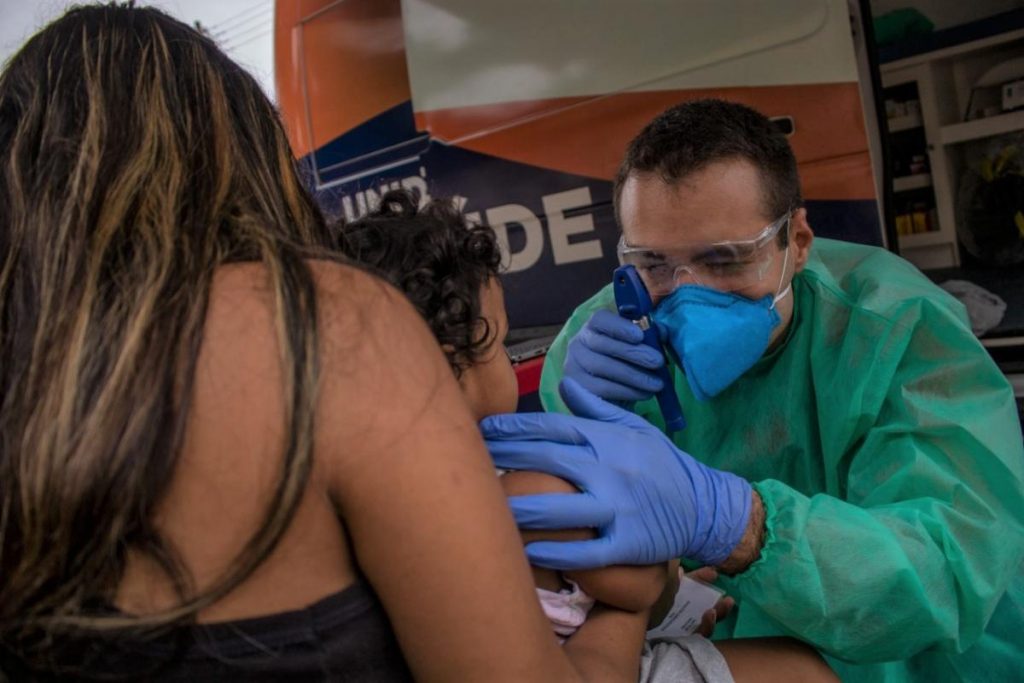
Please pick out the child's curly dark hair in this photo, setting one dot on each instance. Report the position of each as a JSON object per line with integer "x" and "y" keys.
{"x": 439, "y": 260}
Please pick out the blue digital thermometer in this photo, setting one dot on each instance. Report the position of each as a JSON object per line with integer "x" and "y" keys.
{"x": 634, "y": 303}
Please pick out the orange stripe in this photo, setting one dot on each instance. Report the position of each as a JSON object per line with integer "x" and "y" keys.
{"x": 849, "y": 177}
{"x": 587, "y": 136}
{"x": 288, "y": 73}
{"x": 352, "y": 56}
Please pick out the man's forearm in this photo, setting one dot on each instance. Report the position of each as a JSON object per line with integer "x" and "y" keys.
{"x": 748, "y": 549}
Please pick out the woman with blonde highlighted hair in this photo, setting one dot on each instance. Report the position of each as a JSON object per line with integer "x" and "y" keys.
{"x": 223, "y": 453}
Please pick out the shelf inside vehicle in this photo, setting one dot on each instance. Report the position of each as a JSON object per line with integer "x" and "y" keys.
{"x": 982, "y": 128}
{"x": 923, "y": 239}
{"x": 912, "y": 182}
{"x": 902, "y": 123}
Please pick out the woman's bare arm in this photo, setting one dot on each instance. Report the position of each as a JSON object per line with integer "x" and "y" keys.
{"x": 417, "y": 493}
{"x": 607, "y": 646}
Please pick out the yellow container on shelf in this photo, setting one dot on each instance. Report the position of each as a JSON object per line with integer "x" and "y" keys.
{"x": 904, "y": 224}
{"x": 920, "y": 221}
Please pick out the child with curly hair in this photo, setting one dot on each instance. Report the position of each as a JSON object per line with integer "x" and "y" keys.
{"x": 449, "y": 271}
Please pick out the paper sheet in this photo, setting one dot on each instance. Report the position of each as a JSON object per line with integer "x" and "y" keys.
{"x": 692, "y": 601}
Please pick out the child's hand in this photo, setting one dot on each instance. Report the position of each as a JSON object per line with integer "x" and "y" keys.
{"x": 721, "y": 609}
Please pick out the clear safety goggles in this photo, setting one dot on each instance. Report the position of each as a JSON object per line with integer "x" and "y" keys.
{"x": 725, "y": 266}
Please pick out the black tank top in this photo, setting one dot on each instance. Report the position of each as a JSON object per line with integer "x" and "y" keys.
{"x": 344, "y": 637}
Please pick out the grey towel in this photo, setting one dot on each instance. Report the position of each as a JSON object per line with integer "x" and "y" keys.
{"x": 689, "y": 659}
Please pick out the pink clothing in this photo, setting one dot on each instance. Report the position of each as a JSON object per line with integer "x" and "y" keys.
{"x": 566, "y": 610}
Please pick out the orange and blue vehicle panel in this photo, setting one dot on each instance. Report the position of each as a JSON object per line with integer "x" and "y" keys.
{"x": 539, "y": 170}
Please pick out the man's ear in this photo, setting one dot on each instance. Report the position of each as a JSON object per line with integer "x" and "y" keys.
{"x": 800, "y": 239}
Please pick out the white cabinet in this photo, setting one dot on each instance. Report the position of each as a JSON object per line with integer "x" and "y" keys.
{"x": 931, "y": 135}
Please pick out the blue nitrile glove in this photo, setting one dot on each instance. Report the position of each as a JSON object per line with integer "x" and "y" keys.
{"x": 609, "y": 359}
{"x": 650, "y": 501}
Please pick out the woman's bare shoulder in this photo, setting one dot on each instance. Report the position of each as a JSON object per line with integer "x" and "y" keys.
{"x": 378, "y": 364}
{"x": 352, "y": 306}
{"x": 338, "y": 285}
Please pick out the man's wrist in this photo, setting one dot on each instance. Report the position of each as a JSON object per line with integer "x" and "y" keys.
{"x": 748, "y": 550}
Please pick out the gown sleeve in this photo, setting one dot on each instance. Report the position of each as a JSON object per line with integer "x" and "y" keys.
{"x": 929, "y": 532}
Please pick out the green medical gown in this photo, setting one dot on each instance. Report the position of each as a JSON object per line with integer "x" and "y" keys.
{"x": 886, "y": 446}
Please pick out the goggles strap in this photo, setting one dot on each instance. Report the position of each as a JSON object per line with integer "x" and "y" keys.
{"x": 779, "y": 296}
{"x": 782, "y": 295}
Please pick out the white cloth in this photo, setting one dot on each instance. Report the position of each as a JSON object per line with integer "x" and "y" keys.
{"x": 984, "y": 308}
{"x": 689, "y": 659}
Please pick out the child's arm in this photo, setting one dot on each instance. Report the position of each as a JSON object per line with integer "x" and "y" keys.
{"x": 631, "y": 588}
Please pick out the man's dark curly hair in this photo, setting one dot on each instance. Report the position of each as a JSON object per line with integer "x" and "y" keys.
{"x": 690, "y": 136}
{"x": 438, "y": 260}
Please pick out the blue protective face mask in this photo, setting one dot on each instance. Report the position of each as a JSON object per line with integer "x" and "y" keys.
{"x": 716, "y": 336}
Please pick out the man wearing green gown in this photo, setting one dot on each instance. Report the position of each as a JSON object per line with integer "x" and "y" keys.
{"x": 881, "y": 441}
